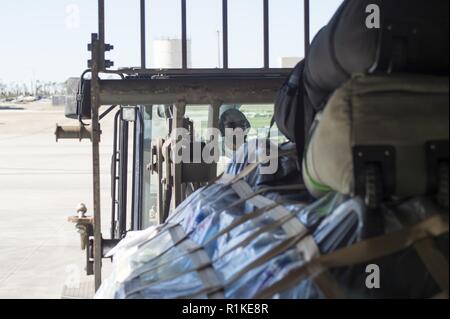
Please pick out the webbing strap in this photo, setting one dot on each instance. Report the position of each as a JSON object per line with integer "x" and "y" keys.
{"x": 244, "y": 190}
{"x": 229, "y": 180}
{"x": 199, "y": 257}
{"x": 189, "y": 200}
{"x": 362, "y": 252}
{"x": 309, "y": 250}
{"x": 441, "y": 295}
{"x": 161, "y": 231}
{"x": 280, "y": 215}
{"x": 210, "y": 282}
{"x": 185, "y": 245}
{"x": 253, "y": 166}
{"x": 178, "y": 236}
{"x": 293, "y": 228}
{"x": 177, "y": 233}
{"x": 203, "y": 266}
{"x": 435, "y": 262}
{"x": 250, "y": 197}
{"x": 200, "y": 260}
{"x": 280, "y": 248}
{"x": 278, "y": 212}
{"x": 223, "y": 179}
{"x": 250, "y": 216}
{"x": 246, "y": 193}
{"x": 328, "y": 286}
{"x": 250, "y": 238}
{"x": 189, "y": 247}
{"x": 324, "y": 281}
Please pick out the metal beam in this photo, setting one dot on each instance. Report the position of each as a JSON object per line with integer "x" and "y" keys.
{"x": 266, "y": 35}
{"x": 143, "y": 36}
{"x": 225, "y": 32}
{"x": 203, "y": 72}
{"x": 179, "y": 111}
{"x": 184, "y": 58}
{"x": 101, "y": 35}
{"x": 97, "y": 47}
{"x": 123, "y": 176}
{"x": 306, "y": 11}
{"x": 213, "y": 122}
{"x": 193, "y": 91}
{"x": 101, "y": 21}
{"x": 114, "y": 177}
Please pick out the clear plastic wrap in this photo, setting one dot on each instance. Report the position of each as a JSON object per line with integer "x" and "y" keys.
{"x": 404, "y": 273}
{"x": 133, "y": 253}
{"x": 251, "y": 243}
{"x": 188, "y": 284}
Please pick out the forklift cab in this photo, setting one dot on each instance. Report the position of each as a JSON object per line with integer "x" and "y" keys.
{"x": 151, "y": 106}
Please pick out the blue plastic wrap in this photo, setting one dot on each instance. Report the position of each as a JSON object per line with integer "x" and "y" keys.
{"x": 216, "y": 224}
{"x": 188, "y": 284}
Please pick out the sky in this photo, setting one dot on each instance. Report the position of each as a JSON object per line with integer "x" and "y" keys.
{"x": 47, "y": 39}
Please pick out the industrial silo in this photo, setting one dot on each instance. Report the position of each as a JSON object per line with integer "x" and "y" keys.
{"x": 167, "y": 53}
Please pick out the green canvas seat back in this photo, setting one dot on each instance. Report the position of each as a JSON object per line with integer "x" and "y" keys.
{"x": 402, "y": 113}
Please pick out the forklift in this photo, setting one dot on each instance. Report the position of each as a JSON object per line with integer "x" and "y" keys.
{"x": 134, "y": 96}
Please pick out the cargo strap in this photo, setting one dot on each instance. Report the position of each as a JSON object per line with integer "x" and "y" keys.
{"x": 167, "y": 228}
{"x": 201, "y": 262}
{"x": 280, "y": 215}
{"x": 279, "y": 222}
{"x": 190, "y": 248}
{"x": 188, "y": 201}
{"x": 221, "y": 179}
{"x": 253, "y": 166}
{"x": 435, "y": 262}
{"x": 292, "y": 226}
{"x": 328, "y": 286}
{"x": 248, "y": 195}
{"x": 262, "y": 204}
{"x": 227, "y": 180}
{"x": 362, "y": 252}
{"x": 212, "y": 286}
{"x": 441, "y": 295}
{"x": 247, "y": 217}
{"x": 285, "y": 245}
{"x": 281, "y": 218}
{"x": 298, "y": 239}
{"x": 177, "y": 234}
{"x": 203, "y": 266}
{"x": 245, "y": 191}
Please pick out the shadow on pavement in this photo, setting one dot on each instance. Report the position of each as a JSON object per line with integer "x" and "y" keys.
{"x": 13, "y": 108}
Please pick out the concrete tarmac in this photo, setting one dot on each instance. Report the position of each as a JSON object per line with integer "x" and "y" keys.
{"x": 41, "y": 184}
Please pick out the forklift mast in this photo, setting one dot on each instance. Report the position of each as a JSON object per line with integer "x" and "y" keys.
{"x": 136, "y": 88}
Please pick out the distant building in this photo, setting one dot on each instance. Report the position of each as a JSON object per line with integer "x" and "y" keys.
{"x": 72, "y": 86}
{"x": 289, "y": 62}
{"x": 167, "y": 53}
{"x": 58, "y": 100}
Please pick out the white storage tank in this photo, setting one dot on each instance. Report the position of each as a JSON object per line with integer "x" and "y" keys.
{"x": 167, "y": 53}
{"x": 289, "y": 62}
